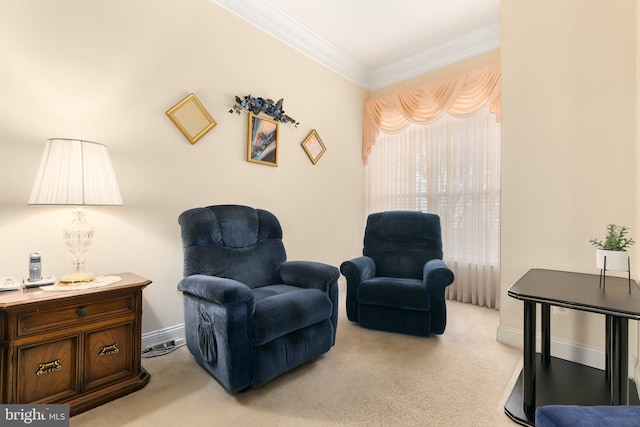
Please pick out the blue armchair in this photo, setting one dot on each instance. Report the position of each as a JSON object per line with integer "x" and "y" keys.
{"x": 251, "y": 315}
{"x": 398, "y": 284}
{"x": 587, "y": 416}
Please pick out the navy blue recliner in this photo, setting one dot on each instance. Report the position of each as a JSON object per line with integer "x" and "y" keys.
{"x": 249, "y": 314}
{"x": 587, "y": 416}
{"x": 398, "y": 284}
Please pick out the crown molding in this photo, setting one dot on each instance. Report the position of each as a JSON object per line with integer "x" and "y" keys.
{"x": 465, "y": 47}
{"x": 300, "y": 37}
{"x": 293, "y": 33}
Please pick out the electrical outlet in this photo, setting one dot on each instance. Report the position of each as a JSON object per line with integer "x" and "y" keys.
{"x": 162, "y": 348}
{"x": 560, "y": 311}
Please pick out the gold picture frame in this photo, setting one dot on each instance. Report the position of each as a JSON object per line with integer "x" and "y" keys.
{"x": 262, "y": 140}
{"x": 190, "y": 116}
{"x": 313, "y": 146}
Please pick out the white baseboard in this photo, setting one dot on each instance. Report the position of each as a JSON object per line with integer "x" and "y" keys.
{"x": 566, "y": 350}
{"x": 173, "y": 333}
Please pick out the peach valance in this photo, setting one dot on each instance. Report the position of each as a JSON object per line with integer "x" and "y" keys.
{"x": 460, "y": 95}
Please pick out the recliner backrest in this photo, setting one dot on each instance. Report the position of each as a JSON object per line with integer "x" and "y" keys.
{"x": 401, "y": 242}
{"x": 232, "y": 241}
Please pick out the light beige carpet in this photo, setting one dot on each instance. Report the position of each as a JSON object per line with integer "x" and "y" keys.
{"x": 369, "y": 378}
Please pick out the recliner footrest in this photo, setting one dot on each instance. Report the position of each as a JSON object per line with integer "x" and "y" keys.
{"x": 283, "y": 313}
{"x": 410, "y": 294}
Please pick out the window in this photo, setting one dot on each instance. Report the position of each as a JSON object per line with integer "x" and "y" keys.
{"x": 450, "y": 167}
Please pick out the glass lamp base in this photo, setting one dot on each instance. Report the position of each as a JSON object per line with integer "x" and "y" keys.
{"x": 78, "y": 236}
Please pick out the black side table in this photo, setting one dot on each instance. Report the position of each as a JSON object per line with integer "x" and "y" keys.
{"x": 547, "y": 380}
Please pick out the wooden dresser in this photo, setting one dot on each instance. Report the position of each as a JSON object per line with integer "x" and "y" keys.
{"x": 80, "y": 348}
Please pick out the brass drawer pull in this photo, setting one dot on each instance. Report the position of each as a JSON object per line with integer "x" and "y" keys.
{"x": 108, "y": 350}
{"x": 48, "y": 367}
{"x": 82, "y": 311}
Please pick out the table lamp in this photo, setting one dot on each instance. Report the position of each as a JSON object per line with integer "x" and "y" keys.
{"x": 77, "y": 173}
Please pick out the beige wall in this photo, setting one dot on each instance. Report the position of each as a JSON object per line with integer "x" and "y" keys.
{"x": 569, "y": 144}
{"x": 637, "y": 120}
{"x": 107, "y": 71}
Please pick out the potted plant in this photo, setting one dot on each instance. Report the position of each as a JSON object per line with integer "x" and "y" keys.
{"x": 614, "y": 248}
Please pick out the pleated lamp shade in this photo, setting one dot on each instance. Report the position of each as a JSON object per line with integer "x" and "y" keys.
{"x": 78, "y": 173}
{"x": 75, "y": 172}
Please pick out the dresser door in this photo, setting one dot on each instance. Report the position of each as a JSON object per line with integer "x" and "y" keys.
{"x": 109, "y": 354}
{"x": 47, "y": 371}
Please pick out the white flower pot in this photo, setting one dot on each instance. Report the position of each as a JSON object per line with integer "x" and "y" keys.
{"x": 616, "y": 260}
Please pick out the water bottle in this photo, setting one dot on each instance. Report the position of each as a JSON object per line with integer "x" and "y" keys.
{"x": 35, "y": 267}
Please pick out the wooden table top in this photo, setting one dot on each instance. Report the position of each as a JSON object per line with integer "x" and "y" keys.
{"x": 35, "y": 294}
{"x": 580, "y": 291}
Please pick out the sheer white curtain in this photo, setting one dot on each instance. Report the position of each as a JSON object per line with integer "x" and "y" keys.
{"x": 450, "y": 167}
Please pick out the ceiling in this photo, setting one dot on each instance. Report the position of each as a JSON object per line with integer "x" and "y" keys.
{"x": 376, "y": 43}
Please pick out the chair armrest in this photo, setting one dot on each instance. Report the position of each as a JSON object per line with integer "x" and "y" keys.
{"x": 436, "y": 277}
{"x": 308, "y": 274}
{"x": 217, "y": 289}
{"x": 218, "y": 324}
{"x": 356, "y": 270}
{"x": 436, "y": 273}
{"x": 315, "y": 275}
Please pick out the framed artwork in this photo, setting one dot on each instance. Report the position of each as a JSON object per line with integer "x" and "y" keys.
{"x": 313, "y": 146}
{"x": 190, "y": 116}
{"x": 262, "y": 144}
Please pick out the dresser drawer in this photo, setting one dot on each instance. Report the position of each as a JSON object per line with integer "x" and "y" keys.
{"x": 51, "y": 318}
{"x": 109, "y": 354}
{"x": 47, "y": 371}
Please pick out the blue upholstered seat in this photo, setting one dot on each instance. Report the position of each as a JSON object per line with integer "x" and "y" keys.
{"x": 398, "y": 284}
{"x": 587, "y": 416}
{"x": 251, "y": 315}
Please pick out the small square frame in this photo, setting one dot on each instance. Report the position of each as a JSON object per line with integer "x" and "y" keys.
{"x": 190, "y": 116}
{"x": 262, "y": 140}
{"x": 313, "y": 146}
